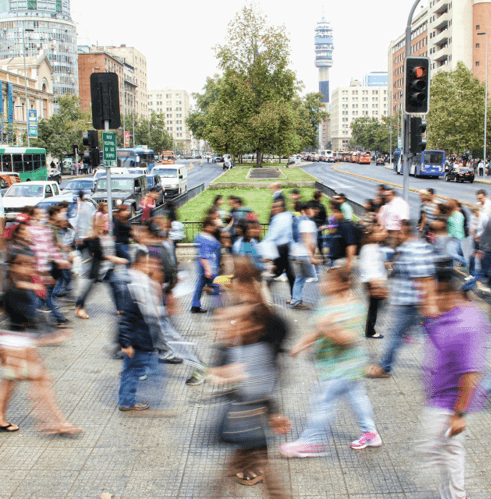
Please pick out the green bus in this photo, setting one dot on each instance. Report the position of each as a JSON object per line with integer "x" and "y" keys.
{"x": 28, "y": 162}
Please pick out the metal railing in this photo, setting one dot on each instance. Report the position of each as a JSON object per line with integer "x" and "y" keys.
{"x": 177, "y": 201}
{"x": 358, "y": 209}
{"x": 193, "y": 228}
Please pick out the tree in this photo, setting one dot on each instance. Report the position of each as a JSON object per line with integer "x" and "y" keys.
{"x": 456, "y": 117}
{"x": 59, "y": 133}
{"x": 309, "y": 114}
{"x": 253, "y": 111}
{"x": 372, "y": 134}
{"x": 153, "y": 133}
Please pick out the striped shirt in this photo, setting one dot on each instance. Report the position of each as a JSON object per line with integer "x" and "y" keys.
{"x": 44, "y": 247}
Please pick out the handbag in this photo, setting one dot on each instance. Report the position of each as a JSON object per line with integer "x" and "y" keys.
{"x": 19, "y": 359}
{"x": 377, "y": 289}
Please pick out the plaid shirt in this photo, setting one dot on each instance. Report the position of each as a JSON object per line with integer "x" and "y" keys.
{"x": 414, "y": 259}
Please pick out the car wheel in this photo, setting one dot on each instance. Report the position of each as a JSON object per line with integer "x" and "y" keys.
{"x": 471, "y": 181}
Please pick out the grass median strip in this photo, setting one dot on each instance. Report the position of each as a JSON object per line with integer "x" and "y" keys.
{"x": 239, "y": 174}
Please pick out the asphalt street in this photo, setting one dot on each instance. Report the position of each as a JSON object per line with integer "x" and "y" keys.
{"x": 197, "y": 173}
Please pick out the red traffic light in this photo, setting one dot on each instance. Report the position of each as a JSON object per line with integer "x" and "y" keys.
{"x": 419, "y": 72}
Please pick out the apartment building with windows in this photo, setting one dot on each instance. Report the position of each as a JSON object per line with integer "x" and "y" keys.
{"x": 174, "y": 104}
{"x": 134, "y": 74}
{"x": 349, "y": 103}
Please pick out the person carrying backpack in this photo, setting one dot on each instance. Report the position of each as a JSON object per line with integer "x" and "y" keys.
{"x": 347, "y": 243}
{"x": 281, "y": 232}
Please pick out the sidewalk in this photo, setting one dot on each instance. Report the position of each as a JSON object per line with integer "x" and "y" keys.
{"x": 153, "y": 458}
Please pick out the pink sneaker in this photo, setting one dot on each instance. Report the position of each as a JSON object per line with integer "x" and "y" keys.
{"x": 302, "y": 449}
{"x": 368, "y": 439}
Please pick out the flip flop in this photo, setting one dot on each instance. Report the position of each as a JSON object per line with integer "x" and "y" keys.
{"x": 10, "y": 428}
{"x": 82, "y": 315}
{"x": 250, "y": 477}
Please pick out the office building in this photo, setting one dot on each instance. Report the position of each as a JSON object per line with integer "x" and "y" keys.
{"x": 376, "y": 79}
{"x": 46, "y": 27}
{"x": 135, "y": 76}
{"x": 349, "y": 103}
{"x": 324, "y": 46}
{"x": 174, "y": 104}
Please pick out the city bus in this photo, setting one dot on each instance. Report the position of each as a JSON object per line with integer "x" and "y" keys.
{"x": 168, "y": 158}
{"x": 364, "y": 158}
{"x": 354, "y": 156}
{"x": 136, "y": 157}
{"x": 429, "y": 163}
{"x": 28, "y": 162}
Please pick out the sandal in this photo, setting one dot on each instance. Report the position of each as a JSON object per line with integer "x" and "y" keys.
{"x": 250, "y": 477}
{"x": 64, "y": 429}
{"x": 10, "y": 428}
{"x": 376, "y": 372}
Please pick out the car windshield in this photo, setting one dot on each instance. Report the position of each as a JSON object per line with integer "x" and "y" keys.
{"x": 167, "y": 173}
{"x": 464, "y": 170}
{"x": 71, "y": 212}
{"x": 139, "y": 171}
{"x": 117, "y": 184}
{"x": 150, "y": 181}
{"x": 127, "y": 159}
{"x": 433, "y": 158}
{"x": 25, "y": 191}
{"x": 76, "y": 185}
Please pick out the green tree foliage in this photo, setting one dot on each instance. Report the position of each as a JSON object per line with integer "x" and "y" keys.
{"x": 59, "y": 133}
{"x": 309, "y": 114}
{"x": 456, "y": 117}
{"x": 372, "y": 134}
{"x": 196, "y": 120}
{"x": 152, "y": 133}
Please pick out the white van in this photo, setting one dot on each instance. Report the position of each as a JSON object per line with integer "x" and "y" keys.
{"x": 173, "y": 178}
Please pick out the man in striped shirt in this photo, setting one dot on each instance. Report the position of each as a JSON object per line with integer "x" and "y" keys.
{"x": 428, "y": 214}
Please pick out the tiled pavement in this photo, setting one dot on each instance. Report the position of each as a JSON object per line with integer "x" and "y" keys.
{"x": 154, "y": 457}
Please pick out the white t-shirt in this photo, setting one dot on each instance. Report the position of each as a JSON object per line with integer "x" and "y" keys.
{"x": 486, "y": 208}
{"x": 372, "y": 263}
{"x": 397, "y": 210}
{"x": 2, "y": 211}
{"x": 306, "y": 226}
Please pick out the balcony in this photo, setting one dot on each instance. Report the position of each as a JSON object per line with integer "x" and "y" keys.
{"x": 440, "y": 38}
{"x": 441, "y": 22}
{"x": 440, "y": 6}
{"x": 442, "y": 54}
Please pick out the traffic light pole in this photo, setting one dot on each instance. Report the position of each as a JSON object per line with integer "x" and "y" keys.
{"x": 109, "y": 188}
{"x": 405, "y": 185}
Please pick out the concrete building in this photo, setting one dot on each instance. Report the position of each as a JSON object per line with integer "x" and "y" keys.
{"x": 98, "y": 62}
{"x": 324, "y": 46}
{"x": 174, "y": 104}
{"x": 447, "y": 33}
{"x": 46, "y": 27}
{"x": 376, "y": 79}
{"x": 135, "y": 76}
{"x": 349, "y": 103}
{"x": 39, "y": 91}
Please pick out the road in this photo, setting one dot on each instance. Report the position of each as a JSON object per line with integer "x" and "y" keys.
{"x": 196, "y": 174}
{"x": 359, "y": 189}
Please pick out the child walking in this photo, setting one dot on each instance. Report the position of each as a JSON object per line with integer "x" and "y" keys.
{"x": 338, "y": 328}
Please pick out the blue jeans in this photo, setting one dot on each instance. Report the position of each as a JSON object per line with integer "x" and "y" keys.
{"x": 202, "y": 282}
{"x": 454, "y": 249}
{"x": 140, "y": 364}
{"x": 116, "y": 288}
{"x": 483, "y": 274}
{"x": 62, "y": 283}
{"x": 405, "y": 316}
{"x": 303, "y": 271}
{"x": 323, "y": 407}
{"x": 50, "y": 303}
{"x": 122, "y": 250}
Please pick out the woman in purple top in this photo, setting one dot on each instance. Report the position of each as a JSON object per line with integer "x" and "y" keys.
{"x": 455, "y": 359}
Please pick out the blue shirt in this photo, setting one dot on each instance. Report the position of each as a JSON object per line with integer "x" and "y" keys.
{"x": 280, "y": 229}
{"x": 208, "y": 249}
{"x": 242, "y": 248}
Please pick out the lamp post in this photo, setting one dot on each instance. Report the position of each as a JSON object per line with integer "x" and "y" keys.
{"x": 486, "y": 96}
{"x": 25, "y": 83}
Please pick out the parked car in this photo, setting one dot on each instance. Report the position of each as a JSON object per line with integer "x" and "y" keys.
{"x": 6, "y": 180}
{"x": 72, "y": 213}
{"x": 27, "y": 194}
{"x": 218, "y": 159}
{"x": 460, "y": 174}
{"x": 380, "y": 161}
{"x": 154, "y": 181}
{"x": 125, "y": 189}
{"x": 75, "y": 186}
{"x": 330, "y": 159}
{"x": 54, "y": 175}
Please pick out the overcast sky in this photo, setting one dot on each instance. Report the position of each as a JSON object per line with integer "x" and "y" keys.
{"x": 178, "y": 37}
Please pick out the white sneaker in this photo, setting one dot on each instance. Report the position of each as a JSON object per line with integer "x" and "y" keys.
{"x": 368, "y": 439}
{"x": 312, "y": 279}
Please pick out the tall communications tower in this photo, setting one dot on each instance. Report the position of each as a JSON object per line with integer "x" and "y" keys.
{"x": 324, "y": 47}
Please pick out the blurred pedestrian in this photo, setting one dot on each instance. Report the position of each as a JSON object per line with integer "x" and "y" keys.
{"x": 277, "y": 192}
{"x": 340, "y": 358}
{"x": 122, "y": 231}
{"x": 455, "y": 360}
{"x": 396, "y": 212}
{"x": 456, "y": 231}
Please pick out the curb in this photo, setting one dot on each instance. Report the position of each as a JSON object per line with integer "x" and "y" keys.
{"x": 470, "y": 205}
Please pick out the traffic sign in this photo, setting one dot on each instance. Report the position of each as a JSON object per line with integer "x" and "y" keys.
{"x": 110, "y": 151}
{"x": 32, "y": 123}
{"x": 127, "y": 138}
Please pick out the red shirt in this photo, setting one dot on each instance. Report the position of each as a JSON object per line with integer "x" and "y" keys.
{"x": 147, "y": 205}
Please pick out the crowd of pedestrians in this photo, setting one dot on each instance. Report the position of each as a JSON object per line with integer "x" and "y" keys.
{"x": 411, "y": 268}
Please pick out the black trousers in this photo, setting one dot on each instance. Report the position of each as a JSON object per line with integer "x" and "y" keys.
{"x": 282, "y": 264}
{"x": 373, "y": 308}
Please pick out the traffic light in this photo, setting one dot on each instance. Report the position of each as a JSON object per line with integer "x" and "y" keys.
{"x": 91, "y": 138}
{"x": 418, "y": 142}
{"x": 417, "y": 85}
{"x": 95, "y": 157}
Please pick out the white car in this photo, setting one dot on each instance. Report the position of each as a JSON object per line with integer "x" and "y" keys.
{"x": 27, "y": 194}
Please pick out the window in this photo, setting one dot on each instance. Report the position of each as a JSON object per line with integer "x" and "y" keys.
{"x": 477, "y": 45}
{"x": 478, "y": 26}
{"x": 477, "y": 63}
{"x": 18, "y": 166}
{"x": 37, "y": 161}
{"x": 28, "y": 162}
{"x": 7, "y": 163}
{"x": 49, "y": 192}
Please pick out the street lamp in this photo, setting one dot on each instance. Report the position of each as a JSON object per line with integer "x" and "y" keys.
{"x": 486, "y": 96}
{"x": 25, "y": 82}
